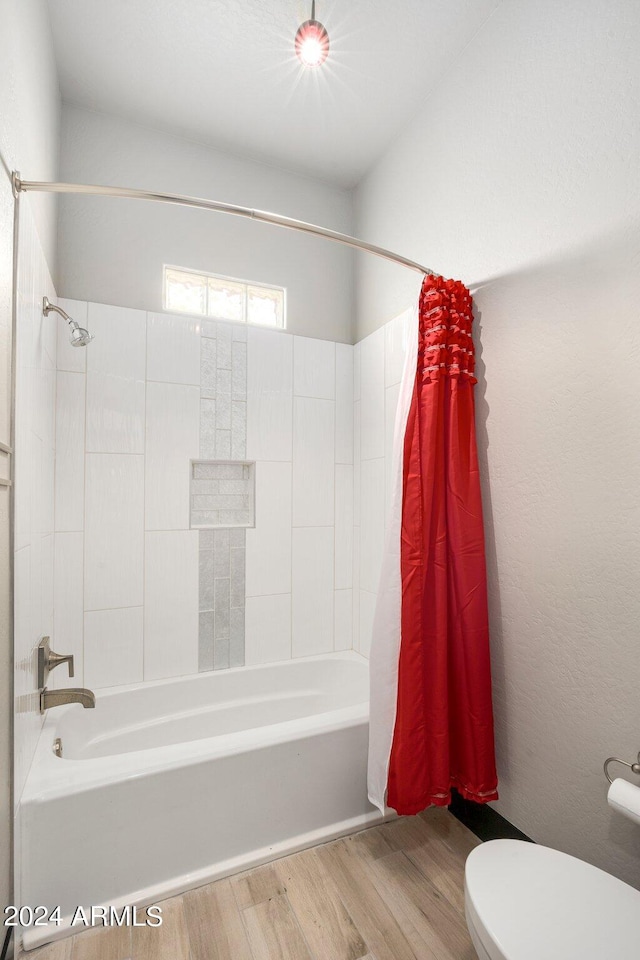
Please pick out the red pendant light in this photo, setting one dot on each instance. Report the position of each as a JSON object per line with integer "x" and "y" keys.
{"x": 312, "y": 41}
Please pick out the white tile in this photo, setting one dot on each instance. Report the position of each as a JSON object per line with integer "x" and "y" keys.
{"x": 390, "y": 404}
{"x": 35, "y": 589}
{"x": 357, "y": 353}
{"x": 172, "y": 439}
{"x": 367, "y": 612}
{"x": 343, "y": 620}
{"x": 357, "y": 462}
{"x": 115, "y": 414}
{"x": 69, "y": 357}
{"x": 313, "y": 468}
{"x": 344, "y": 526}
{"x": 269, "y": 395}
{"x": 46, "y": 585}
{"x": 114, "y": 530}
{"x": 119, "y": 347}
{"x": 269, "y": 543}
{"x": 268, "y": 629}
{"x": 314, "y": 368}
{"x": 312, "y": 591}
{"x": 68, "y": 605}
{"x": 372, "y": 396}
{"x": 39, "y": 461}
{"x": 173, "y": 348}
{"x": 27, "y": 719}
{"x": 396, "y": 338}
{"x": 44, "y": 405}
{"x": 112, "y": 647}
{"x": 116, "y": 362}
{"x": 344, "y": 403}
{"x": 69, "y": 460}
{"x": 371, "y": 523}
{"x": 171, "y": 604}
{"x": 356, "y": 588}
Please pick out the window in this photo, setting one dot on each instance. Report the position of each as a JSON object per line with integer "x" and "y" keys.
{"x": 223, "y": 298}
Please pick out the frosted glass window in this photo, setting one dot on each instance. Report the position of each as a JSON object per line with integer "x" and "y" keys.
{"x": 185, "y": 292}
{"x": 265, "y": 306}
{"x": 224, "y": 298}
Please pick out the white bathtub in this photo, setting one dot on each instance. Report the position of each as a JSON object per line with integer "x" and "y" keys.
{"x": 168, "y": 785}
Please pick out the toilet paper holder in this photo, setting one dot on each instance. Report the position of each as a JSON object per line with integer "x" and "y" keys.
{"x": 634, "y": 767}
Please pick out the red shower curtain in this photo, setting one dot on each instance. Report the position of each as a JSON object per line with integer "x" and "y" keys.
{"x": 443, "y": 734}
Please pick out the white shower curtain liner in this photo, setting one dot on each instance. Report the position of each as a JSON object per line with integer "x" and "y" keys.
{"x": 385, "y": 639}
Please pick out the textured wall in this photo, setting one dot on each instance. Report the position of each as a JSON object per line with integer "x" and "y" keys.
{"x": 113, "y": 251}
{"x": 521, "y": 171}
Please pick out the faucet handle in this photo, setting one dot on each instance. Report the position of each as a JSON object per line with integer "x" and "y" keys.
{"x": 48, "y": 660}
{"x": 55, "y": 659}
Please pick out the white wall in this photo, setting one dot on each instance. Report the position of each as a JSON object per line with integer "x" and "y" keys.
{"x": 29, "y": 120}
{"x": 34, "y": 472}
{"x": 128, "y": 566}
{"x": 112, "y": 251}
{"x": 6, "y": 641}
{"x": 30, "y": 106}
{"x": 522, "y": 171}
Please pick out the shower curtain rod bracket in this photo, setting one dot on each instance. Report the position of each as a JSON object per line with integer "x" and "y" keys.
{"x": 263, "y": 216}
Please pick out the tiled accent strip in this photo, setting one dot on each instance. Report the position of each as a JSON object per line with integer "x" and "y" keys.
{"x": 223, "y": 433}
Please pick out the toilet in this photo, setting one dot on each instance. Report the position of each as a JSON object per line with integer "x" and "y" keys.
{"x": 527, "y": 902}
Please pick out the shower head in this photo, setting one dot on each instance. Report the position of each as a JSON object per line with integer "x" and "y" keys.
{"x": 79, "y": 337}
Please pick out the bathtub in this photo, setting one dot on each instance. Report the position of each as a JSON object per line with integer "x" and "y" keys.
{"x": 171, "y": 784}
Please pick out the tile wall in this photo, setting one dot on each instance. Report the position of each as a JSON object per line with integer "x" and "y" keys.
{"x": 378, "y": 365}
{"x": 299, "y": 556}
{"x": 138, "y": 594}
{"x": 223, "y": 436}
{"x": 34, "y": 496}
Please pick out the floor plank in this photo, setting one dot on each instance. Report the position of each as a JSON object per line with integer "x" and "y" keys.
{"x": 169, "y": 941}
{"x": 216, "y": 930}
{"x": 413, "y": 899}
{"x": 60, "y": 950}
{"x": 382, "y": 932}
{"x": 441, "y": 865}
{"x": 273, "y": 931}
{"x": 446, "y": 873}
{"x": 453, "y": 833}
{"x": 102, "y": 943}
{"x": 323, "y": 917}
{"x": 257, "y": 885}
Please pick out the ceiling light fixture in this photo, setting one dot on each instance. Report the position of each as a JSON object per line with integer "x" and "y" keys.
{"x": 312, "y": 41}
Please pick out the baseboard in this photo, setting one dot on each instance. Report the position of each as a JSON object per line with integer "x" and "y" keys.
{"x": 483, "y": 820}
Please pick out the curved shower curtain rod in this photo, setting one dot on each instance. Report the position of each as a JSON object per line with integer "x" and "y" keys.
{"x": 35, "y": 186}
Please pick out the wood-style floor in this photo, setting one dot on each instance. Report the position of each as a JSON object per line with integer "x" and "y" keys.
{"x": 393, "y": 892}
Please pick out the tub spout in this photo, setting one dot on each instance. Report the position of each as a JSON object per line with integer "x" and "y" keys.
{"x": 56, "y": 698}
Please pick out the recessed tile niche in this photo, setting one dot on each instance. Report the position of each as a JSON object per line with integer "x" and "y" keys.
{"x": 222, "y": 494}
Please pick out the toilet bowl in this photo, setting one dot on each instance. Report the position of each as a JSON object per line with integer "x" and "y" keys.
{"x": 526, "y": 902}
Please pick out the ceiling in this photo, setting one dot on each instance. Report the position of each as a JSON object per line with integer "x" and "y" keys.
{"x": 223, "y": 71}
